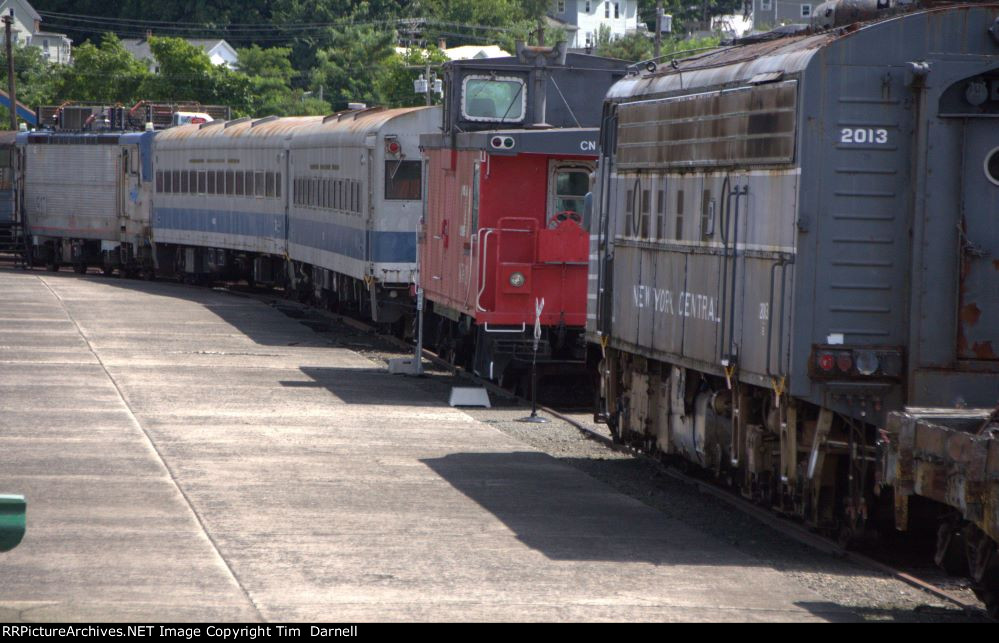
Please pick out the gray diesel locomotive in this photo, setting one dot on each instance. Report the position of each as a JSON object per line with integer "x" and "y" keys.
{"x": 797, "y": 235}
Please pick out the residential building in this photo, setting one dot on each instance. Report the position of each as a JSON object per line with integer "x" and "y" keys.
{"x": 27, "y": 30}
{"x": 768, "y": 14}
{"x": 582, "y": 19}
{"x": 219, "y": 51}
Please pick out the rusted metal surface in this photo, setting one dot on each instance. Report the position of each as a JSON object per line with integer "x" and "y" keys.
{"x": 947, "y": 455}
{"x": 744, "y": 126}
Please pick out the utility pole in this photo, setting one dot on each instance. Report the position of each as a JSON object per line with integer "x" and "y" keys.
{"x": 659, "y": 28}
{"x": 8, "y": 21}
{"x": 430, "y": 84}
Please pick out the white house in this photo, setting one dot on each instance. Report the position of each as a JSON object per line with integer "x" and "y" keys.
{"x": 582, "y": 19}
{"x": 27, "y": 30}
{"x": 768, "y": 14}
{"x": 219, "y": 51}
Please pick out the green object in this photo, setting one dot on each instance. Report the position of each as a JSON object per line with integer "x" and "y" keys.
{"x": 12, "y": 521}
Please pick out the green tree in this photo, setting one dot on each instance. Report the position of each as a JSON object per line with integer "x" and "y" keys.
{"x": 636, "y": 47}
{"x": 348, "y": 68}
{"x": 187, "y": 74}
{"x": 394, "y": 85}
{"x": 106, "y": 74}
{"x": 270, "y": 73}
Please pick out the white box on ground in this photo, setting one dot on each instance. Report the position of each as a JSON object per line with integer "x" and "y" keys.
{"x": 469, "y": 396}
{"x": 405, "y": 366}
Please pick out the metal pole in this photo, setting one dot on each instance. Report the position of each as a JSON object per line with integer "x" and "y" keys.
{"x": 430, "y": 84}
{"x": 418, "y": 356}
{"x": 659, "y": 28}
{"x": 11, "y": 87}
{"x": 534, "y": 418}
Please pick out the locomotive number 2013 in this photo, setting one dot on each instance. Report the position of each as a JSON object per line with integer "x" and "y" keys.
{"x": 863, "y": 135}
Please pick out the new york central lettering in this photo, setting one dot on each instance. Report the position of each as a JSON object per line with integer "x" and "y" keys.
{"x": 682, "y": 304}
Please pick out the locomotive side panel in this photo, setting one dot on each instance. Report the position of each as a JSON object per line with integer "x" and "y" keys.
{"x": 73, "y": 189}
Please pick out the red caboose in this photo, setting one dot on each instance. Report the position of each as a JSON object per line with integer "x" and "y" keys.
{"x": 505, "y": 224}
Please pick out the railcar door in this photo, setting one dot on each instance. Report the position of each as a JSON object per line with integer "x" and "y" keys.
{"x": 978, "y": 315}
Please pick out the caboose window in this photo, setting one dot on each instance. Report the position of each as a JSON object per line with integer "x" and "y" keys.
{"x": 402, "y": 180}
{"x": 486, "y": 98}
{"x": 571, "y": 186}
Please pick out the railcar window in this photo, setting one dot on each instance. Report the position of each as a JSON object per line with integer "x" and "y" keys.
{"x": 355, "y": 196}
{"x": 629, "y": 212}
{"x": 661, "y": 214}
{"x": 679, "y": 214}
{"x": 493, "y": 99}
{"x": 277, "y": 185}
{"x": 202, "y": 182}
{"x": 159, "y": 181}
{"x": 211, "y": 182}
{"x": 646, "y": 199}
{"x": 403, "y": 180}
{"x": 192, "y": 181}
{"x": 240, "y": 184}
{"x": 326, "y": 193}
{"x": 296, "y": 191}
{"x": 707, "y": 215}
{"x": 269, "y": 180}
{"x": 259, "y": 184}
{"x": 230, "y": 182}
{"x": 184, "y": 177}
{"x": 176, "y": 182}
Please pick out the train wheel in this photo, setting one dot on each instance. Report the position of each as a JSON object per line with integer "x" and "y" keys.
{"x": 80, "y": 268}
{"x": 52, "y": 266}
{"x": 107, "y": 270}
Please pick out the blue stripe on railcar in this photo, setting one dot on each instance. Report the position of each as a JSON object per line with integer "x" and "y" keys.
{"x": 248, "y": 224}
{"x": 356, "y": 243}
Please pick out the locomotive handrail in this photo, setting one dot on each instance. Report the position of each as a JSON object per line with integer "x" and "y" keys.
{"x": 480, "y": 273}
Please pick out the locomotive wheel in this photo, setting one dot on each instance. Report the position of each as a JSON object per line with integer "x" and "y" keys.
{"x": 52, "y": 266}
{"x": 80, "y": 268}
{"x": 107, "y": 270}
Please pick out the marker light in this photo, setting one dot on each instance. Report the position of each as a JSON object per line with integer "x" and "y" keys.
{"x": 867, "y": 362}
{"x": 517, "y": 279}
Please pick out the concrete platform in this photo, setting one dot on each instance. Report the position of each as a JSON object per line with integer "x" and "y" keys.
{"x": 194, "y": 455}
